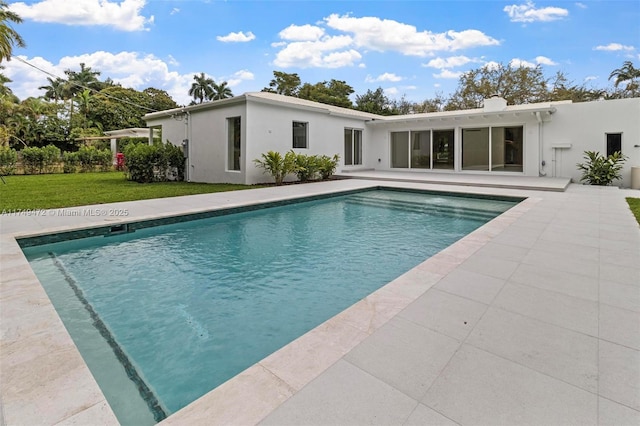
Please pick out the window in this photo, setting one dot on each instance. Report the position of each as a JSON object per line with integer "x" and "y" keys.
{"x": 493, "y": 149}
{"x": 233, "y": 143}
{"x": 614, "y": 143}
{"x": 352, "y": 147}
{"x": 300, "y": 134}
{"x": 422, "y": 149}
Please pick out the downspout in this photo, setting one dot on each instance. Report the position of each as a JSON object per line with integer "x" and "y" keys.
{"x": 541, "y": 162}
{"x": 187, "y": 132}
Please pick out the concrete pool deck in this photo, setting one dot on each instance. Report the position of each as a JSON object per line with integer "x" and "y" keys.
{"x": 534, "y": 318}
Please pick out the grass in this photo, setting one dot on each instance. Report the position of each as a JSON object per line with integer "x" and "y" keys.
{"x": 81, "y": 189}
{"x": 634, "y": 205}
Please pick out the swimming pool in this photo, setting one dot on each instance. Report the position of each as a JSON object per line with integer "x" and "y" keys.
{"x": 192, "y": 304}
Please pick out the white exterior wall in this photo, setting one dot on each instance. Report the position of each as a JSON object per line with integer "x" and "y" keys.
{"x": 584, "y": 125}
{"x": 379, "y": 153}
{"x": 209, "y": 145}
{"x": 271, "y": 129}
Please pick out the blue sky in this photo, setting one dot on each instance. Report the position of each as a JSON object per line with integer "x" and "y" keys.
{"x": 412, "y": 48}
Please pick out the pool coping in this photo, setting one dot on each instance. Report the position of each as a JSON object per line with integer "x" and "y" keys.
{"x": 42, "y": 358}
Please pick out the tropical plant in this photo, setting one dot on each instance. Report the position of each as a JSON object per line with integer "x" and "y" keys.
{"x": 201, "y": 88}
{"x": 327, "y": 165}
{"x": 307, "y": 166}
{"x": 9, "y": 38}
{"x": 625, "y": 73}
{"x": 220, "y": 91}
{"x": 55, "y": 90}
{"x": 70, "y": 162}
{"x": 284, "y": 84}
{"x": 278, "y": 166}
{"x": 601, "y": 170}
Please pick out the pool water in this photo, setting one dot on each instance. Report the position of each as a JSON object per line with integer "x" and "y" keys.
{"x": 191, "y": 305}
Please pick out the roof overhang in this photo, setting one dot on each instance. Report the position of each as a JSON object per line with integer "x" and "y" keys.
{"x": 544, "y": 112}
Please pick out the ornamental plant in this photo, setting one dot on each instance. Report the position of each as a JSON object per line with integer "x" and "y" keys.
{"x": 327, "y": 165}
{"x": 276, "y": 165}
{"x": 307, "y": 166}
{"x": 601, "y": 170}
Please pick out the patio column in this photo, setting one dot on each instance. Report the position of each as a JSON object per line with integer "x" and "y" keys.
{"x": 114, "y": 150}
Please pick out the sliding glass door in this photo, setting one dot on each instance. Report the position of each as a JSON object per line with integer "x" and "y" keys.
{"x": 493, "y": 149}
{"x": 422, "y": 149}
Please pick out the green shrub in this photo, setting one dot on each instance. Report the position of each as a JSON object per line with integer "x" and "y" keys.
{"x": 70, "y": 162}
{"x": 91, "y": 159}
{"x": 307, "y": 167}
{"x": 278, "y": 166}
{"x": 8, "y": 160}
{"x": 601, "y": 170}
{"x": 40, "y": 160}
{"x": 153, "y": 163}
{"x": 327, "y": 165}
{"x": 175, "y": 161}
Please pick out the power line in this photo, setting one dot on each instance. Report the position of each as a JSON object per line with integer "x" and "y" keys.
{"x": 83, "y": 87}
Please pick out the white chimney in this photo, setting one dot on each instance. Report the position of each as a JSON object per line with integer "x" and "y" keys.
{"x": 494, "y": 103}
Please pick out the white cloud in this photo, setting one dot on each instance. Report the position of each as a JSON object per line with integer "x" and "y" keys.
{"x": 451, "y": 62}
{"x": 543, "y": 60}
{"x": 124, "y": 15}
{"x": 173, "y": 61}
{"x": 383, "y": 77}
{"x": 517, "y": 63}
{"x": 391, "y": 91}
{"x": 581, "y": 5}
{"x": 240, "y": 76}
{"x": 174, "y": 11}
{"x": 590, "y": 78}
{"x": 527, "y": 12}
{"x": 329, "y": 52}
{"x": 301, "y": 33}
{"x": 448, "y": 74}
{"x": 491, "y": 65}
{"x": 437, "y": 85}
{"x": 385, "y": 34}
{"x": 614, "y": 47}
{"x": 238, "y": 37}
{"x": 131, "y": 69}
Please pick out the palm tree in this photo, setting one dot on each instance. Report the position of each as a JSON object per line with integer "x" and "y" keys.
{"x": 55, "y": 90}
{"x": 86, "y": 78}
{"x": 625, "y": 73}
{"x": 201, "y": 88}
{"x": 220, "y": 91}
{"x": 9, "y": 38}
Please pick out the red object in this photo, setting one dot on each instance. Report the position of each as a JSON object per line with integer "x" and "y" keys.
{"x": 119, "y": 161}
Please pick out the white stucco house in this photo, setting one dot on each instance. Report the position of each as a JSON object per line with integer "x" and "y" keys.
{"x": 222, "y": 138}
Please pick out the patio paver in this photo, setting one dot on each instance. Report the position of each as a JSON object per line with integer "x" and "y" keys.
{"x": 550, "y": 293}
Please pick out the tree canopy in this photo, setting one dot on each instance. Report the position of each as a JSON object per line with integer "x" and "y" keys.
{"x": 9, "y": 38}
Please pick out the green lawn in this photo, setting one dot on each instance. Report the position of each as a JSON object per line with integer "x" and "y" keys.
{"x": 634, "y": 205}
{"x": 81, "y": 189}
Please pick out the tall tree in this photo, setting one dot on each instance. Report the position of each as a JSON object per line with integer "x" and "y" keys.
{"x": 626, "y": 74}
{"x": 334, "y": 92}
{"x": 158, "y": 100}
{"x": 201, "y": 88}
{"x": 55, "y": 90}
{"x": 284, "y": 84}
{"x": 9, "y": 38}
{"x": 374, "y": 102}
{"x": 220, "y": 91}
{"x": 86, "y": 78}
{"x": 518, "y": 85}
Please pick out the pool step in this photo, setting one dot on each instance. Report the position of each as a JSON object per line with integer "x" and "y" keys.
{"x": 423, "y": 208}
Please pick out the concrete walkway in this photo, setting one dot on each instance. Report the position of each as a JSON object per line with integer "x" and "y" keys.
{"x": 533, "y": 318}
